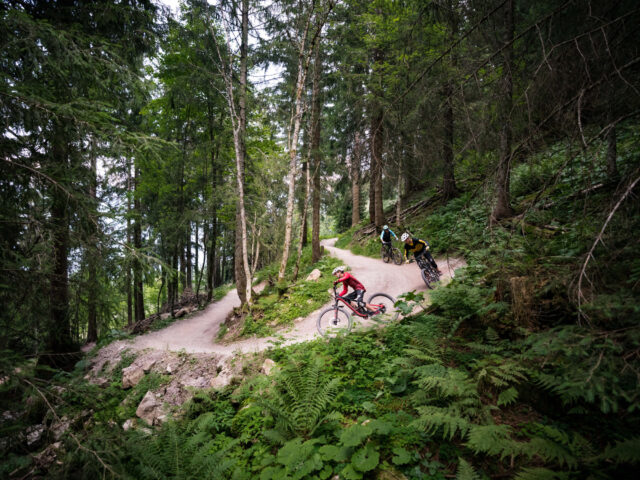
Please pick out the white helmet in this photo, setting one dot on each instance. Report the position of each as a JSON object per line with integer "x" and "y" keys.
{"x": 386, "y": 227}
{"x": 404, "y": 237}
{"x": 341, "y": 268}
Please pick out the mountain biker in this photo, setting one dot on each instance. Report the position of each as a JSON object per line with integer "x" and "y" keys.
{"x": 347, "y": 281}
{"x": 385, "y": 236}
{"x": 419, "y": 248}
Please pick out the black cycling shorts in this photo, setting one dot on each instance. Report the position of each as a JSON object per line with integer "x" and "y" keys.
{"x": 355, "y": 295}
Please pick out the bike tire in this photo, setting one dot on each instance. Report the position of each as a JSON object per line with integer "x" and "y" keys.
{"x": 426, "y": 277}
{"x": 391, "y": 313}
{"x": 397, "y": 256}
{"x": 326, "y": 323}
{"x": 385, "y": 255}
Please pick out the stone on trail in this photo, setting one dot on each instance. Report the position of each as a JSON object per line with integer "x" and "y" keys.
{"x": 314, "y": 275}
{"x": 222, "y": 380}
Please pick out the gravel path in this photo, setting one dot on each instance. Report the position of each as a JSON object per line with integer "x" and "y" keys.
{"x": 197, "y": 334}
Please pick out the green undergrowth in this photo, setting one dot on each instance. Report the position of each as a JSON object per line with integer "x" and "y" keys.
{"x": 439, "y": 395}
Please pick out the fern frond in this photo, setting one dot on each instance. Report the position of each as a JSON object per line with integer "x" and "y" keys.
{"x": 623, "y": 451}
{"x": 465, "y": 471}
{"x": 434, "y": 418}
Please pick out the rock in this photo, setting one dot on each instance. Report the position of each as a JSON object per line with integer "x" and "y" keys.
{"x": 150, "y": 409}
{"x": 182, "y": 312}
{"x": 199, "y": 382}
{"x": 129, "y": 424}
{"x": 131, "y": 376}
{"x": 314, "y": 275}
{"x": 100, "y": 381}
{"x": 45, "y": 458}
{"x": 164, "y": 316}
{"x": 34, "y": 434}
{"x": 267, "y": 366}
{"x": 60, "y": 427}
{"x": 146, "y": 363}
{"x": 222, "y": 380}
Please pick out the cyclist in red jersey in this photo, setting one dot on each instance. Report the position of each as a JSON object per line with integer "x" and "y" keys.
{"x": 347, "y": 281}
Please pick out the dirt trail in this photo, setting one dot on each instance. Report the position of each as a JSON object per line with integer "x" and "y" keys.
{"x": 197, "y": 334}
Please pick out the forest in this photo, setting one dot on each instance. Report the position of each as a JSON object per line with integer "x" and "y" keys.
{"x": 179, "y": 180}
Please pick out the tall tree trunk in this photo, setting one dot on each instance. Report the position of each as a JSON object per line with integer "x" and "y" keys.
{"x": 59, "y": 333}
{"x": 449, "y": 189}
{"x": 128, "y": 263}
{"x": 138, "y": 298}
{"x": 294, "y": 133}
{"x": 241, "y": 259}
{"x": 304, "y": 218}
{"x": 304, "y": 227}
{"x": 612, "y": 143}
{"x": 503, "y": 208}
{"x": 316, "y": 157}
{"x": 189, "y": 258}
{"x": 356, "y": 160}
{"x": 399, "y": 205}
{"x": 376, "y": 168}
{"x": 92, "y": 250}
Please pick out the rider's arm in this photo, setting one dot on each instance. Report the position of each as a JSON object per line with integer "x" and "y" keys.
{"x": 406, "y": 251}
{"x": 426, "y": 245}
{"x": 394, "y": 235}
{"x": 344, "y": 285}
{"x": 381, "y": 234}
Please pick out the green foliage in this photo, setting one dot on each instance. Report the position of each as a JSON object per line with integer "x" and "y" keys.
{"x": 302, "y": 400}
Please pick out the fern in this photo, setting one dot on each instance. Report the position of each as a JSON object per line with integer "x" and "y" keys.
{"x": 540, "y": 474}
{"x": 624, "y": 451}
{"x": 301, "y": 400}
{"x": 466, "y": 471}
{"x": 434, "y": 418}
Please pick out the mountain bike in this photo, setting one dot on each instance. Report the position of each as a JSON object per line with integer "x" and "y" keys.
{"x": 339, "y": 317}
{"x": 388, "y": 252}
{"x": 429, "y": 274}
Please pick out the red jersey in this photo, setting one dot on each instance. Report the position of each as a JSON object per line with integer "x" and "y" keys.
{"x": 349, "y": 280}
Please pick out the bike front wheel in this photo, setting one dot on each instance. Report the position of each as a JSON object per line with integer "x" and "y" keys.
{"x": 397, "y": 256}
{"x": 333, "y": 321}
{"x": 388, "y": 313}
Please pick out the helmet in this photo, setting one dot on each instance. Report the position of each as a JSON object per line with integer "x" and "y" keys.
{"x": 341, "y": 268}
{"x": 404, "y": 237}
{"x": 386, "y": 227}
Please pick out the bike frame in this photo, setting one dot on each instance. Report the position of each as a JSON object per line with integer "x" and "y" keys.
{"x": 339, "y": 299}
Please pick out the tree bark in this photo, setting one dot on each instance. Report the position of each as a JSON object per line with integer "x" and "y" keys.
{"x": 241, "y": 260}
{"x": 128, "y": 263}
{"x": 376, "y": 171}
{"x": 138, "y": 296}
{"x": 612, "y": 143}
{"x": 449, "y": 189}
{"x": 316, "y": 154}
{"x": 303, "y": 233}
{"x": 59, "y": 333}
{"x": 503, "y": 208}
{"x": 356, "y": 160}
{"x": 296, "y": 120}
{"x": 92, "y": 251}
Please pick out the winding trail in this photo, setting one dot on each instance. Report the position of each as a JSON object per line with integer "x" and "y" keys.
{"x": 197, "y": 334}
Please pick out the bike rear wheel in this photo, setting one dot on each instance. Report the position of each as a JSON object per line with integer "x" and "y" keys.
{"x": 397, "y": 256}
{"x": 384, "y": 253}
{"x": 426, "y": 277}
{"x": 334, "y": 320}
{"x": 390, "y": 313}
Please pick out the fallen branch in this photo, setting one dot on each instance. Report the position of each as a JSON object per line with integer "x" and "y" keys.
{"x": 595, "y": 244}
